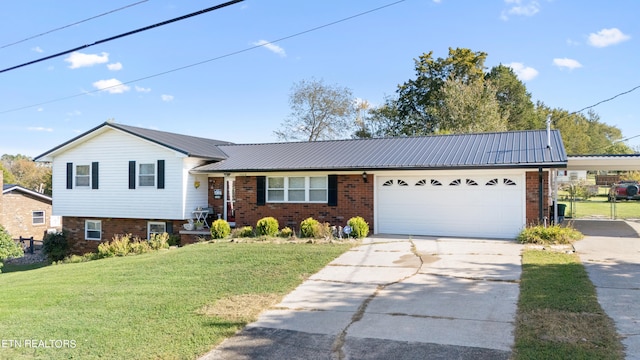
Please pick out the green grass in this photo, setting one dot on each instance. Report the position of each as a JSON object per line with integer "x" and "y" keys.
{"x": 7, "y": 268}
{"x": 149, "y": 306}
{"x": 599, "y": 206}
{"x": 559, "y": 316}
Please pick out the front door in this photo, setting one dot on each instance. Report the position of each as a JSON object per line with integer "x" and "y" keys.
{"x": 230, "y": 193}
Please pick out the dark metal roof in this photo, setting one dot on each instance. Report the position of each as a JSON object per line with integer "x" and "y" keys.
{"x": 188, "y": 145}
{"x": 464, "y": 151}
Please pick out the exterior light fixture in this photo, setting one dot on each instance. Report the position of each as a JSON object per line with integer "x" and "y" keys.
{"x": 364, "y": 177}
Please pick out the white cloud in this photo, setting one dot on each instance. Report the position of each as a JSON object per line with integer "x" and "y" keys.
{"x": 40, "y": 109}
{"x": 39, "y": 128}
{"x": 78, "y": 59}
{"x": 74, "y": 113}
{"x": 141, "y": 89}
{"x": 115, "y": 66}
{"x": 271, "y": 47}
{"x": 524, "y": 72}
{"x": 113, "y": 86}
{"x": 572, "y": 42}
{"x": 166, "y": 98}
{"x": 520, "y": 8}
{"x": 567, "y": 63}
{"x": 37, "y": 49}
{"x": 606, "y": 37}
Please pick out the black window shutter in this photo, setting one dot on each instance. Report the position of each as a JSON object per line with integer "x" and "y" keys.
{"x": 132, "y": 174}
{"x": 69, "y": 175}
{"x": 332, "y": 196}
{"x": 261, "y": 188}
{"x": 160, "y": 174}
{"x": 169, "y": 227}
{"x": 94, "y": 175}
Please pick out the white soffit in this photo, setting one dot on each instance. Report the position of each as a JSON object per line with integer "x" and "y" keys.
{"x": 604, "y": 162}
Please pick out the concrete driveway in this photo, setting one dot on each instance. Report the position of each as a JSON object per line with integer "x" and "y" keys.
{"x": 611, "y": 254}
{"x": 395, "y": 297}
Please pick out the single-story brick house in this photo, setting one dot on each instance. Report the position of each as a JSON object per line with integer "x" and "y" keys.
{"x": 26, "y": 213}
{"x": 117, "y": 179}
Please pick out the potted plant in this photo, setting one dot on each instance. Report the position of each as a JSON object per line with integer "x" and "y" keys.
{"x": 199, "y": 225}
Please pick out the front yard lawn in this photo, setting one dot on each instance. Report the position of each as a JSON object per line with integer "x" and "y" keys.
{"x": 172, "y": 304}
{"x": 600, "y": 207}
{"x": 559, "y": 316}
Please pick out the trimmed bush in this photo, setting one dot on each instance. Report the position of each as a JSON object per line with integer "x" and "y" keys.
{"x": 243, "y": 232}
{"x": 309, "y": 228}
{"x": 550, "y": 235}
{"x": 159, "y": 241}
{"x": 359, "y": 227}
{"x": 286, "y": 232}
{"x": 8, "y": 247}
{"x": 55, "y": 246}
{"x": 220, "y": 229}
{"x": 267, "y": 226}
{"x": 118, "y": 246}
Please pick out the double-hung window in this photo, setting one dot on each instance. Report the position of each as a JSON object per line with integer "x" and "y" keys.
{"x": 297, "y": 189}
{"x": 147, "y": 175}
{"x": 37, "y": 217}
{"x": 83, "y": 175}
{"x": 93, "y": 229}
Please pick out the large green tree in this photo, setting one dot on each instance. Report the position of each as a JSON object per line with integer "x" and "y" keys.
{"x": 469, "y": 107}
{"x": 318, "y": 112}
{"x": 584, "y": 134}
{"x": 417, "y": 98}
{"x": 23, "y": 171}
{"x": 515, "y": 102}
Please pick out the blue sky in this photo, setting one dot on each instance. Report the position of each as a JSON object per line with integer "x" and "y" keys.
{"x": 569, "y": 54}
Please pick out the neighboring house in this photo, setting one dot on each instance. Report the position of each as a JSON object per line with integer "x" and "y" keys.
{"x": 26, "y": 213}
{"x": 117, "y": 179}
{"x": 571, "y": 176}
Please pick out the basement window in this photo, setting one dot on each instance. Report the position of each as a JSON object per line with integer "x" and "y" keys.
{"x": 93, "y": 230}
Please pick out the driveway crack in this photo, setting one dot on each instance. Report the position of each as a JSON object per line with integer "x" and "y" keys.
{"x": 338, "y": 345}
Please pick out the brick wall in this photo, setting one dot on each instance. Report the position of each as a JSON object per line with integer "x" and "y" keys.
{"x": 217, "y": 204}
{"x": 110, "y": 227}
{"x": 533, "y": 197}
{"x": 16, "y": 214}
{"x": 355, "y": 198}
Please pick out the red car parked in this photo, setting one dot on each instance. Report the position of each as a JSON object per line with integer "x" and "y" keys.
{"x": 625, "y": 190}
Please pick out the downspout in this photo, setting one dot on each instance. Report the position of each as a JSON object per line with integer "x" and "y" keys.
{"x": 540, "y": 196}
{"x": 552, "y": 174}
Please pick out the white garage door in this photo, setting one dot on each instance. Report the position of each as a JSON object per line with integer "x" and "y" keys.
{"x": 489, "y": 206}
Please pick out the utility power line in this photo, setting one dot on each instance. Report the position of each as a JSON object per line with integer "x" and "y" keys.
{"x": 606, "y": 100}
{"x": 124, "y": 34}
{"x": 206, "y": 61}
{"x": 75, "y": 23}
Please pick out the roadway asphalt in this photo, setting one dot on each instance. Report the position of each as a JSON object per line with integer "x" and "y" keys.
{"x": 611, "y": 254}
{"x": 395, "y": 298}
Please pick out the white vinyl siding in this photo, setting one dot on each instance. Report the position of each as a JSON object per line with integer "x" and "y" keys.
{"x": 297, "y": 189}
{"x": 114, "y": 149}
